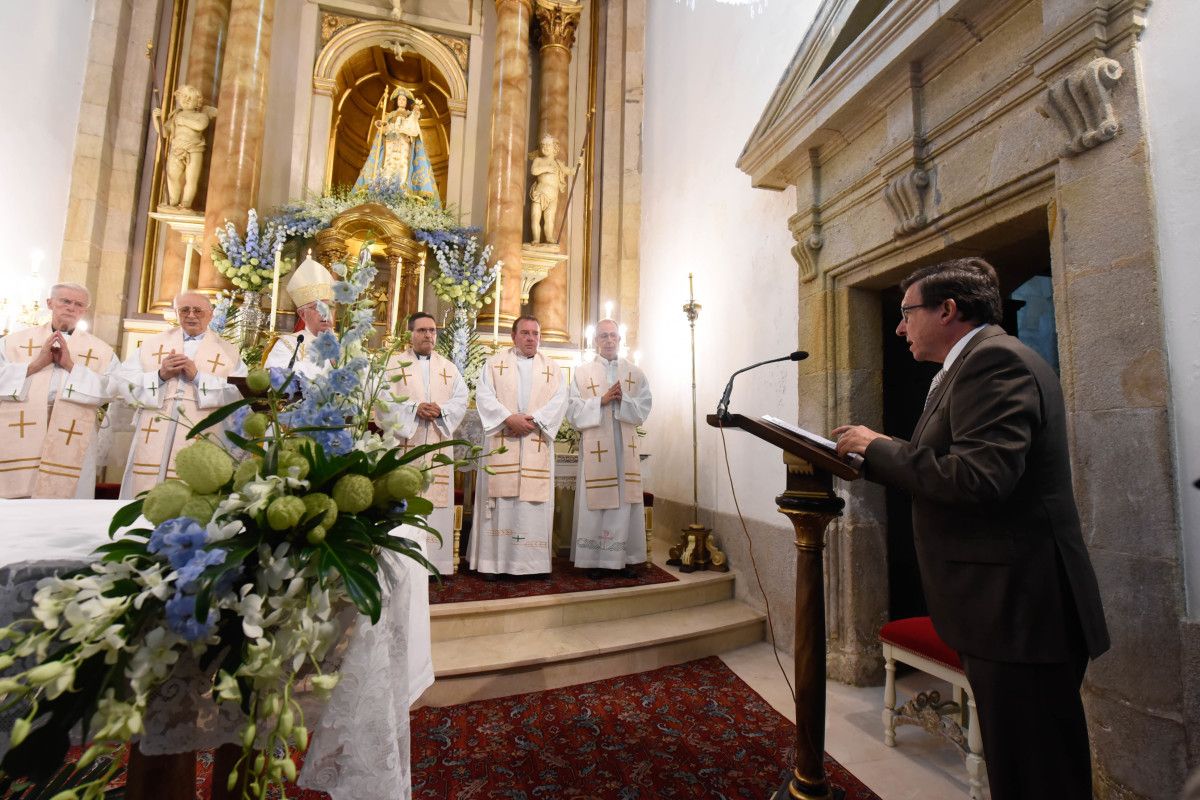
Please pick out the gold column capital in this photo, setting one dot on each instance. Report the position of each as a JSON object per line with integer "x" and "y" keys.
{"x": 557, "y": 23}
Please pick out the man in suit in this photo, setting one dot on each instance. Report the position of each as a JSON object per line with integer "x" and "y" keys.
{"x": 1003, "y": 564}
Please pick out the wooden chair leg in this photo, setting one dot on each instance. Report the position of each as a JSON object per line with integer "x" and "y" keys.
{"x": 974, "y": 759}
{"x": 889, "y": 698}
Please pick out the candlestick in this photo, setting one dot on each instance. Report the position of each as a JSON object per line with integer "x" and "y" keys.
{"x": 275, "y": 286}
{"x": 496, "y": 309}
{"x": 421, "y": 284}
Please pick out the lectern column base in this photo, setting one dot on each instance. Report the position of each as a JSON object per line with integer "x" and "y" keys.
{"x": 792, "y": 789}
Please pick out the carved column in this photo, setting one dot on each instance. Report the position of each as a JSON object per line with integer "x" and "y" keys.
{"x": 557, "y": 23}
{"x": 509, "y": 144}
{"x": 209, "y": 27}
{"x": 238, "y": 130}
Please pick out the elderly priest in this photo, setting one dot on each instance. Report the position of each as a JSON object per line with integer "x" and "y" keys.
{"x": 609, "y": 398}
{"x": 521, "y": 398}
{"x": 433, "y": 402}
{"x": 311, "y": 290}
{"x": 174, "y": 380}
{"x": 52, "y": 380}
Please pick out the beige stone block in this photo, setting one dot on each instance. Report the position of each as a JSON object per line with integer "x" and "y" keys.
{"x": 1103, "y": 218}
{"x": 102, "y": 47}
{"x": 93, "y": 115}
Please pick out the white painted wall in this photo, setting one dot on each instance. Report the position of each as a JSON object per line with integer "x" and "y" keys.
{"x": 43, "y": 49}
{"x": 1170, "y": 66}
{"x": 709, "y": 73}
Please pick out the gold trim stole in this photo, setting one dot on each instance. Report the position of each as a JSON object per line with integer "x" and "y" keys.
{"x": 150, "y": 443}
{"x": 524, "y": 471}
{"x": 600, "y": 478}
{"x": 36, "y": 464}
{"x": 443, "y": 375}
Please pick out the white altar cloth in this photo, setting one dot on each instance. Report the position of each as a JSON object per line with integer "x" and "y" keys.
{"x": 360, "y": 745}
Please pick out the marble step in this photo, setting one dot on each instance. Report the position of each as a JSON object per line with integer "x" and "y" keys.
{"x": 485, "y": 617}
{"x": 500, "y": 664}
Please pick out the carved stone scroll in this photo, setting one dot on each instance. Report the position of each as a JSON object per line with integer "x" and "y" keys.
{"x": 1082, "y": 104}
{"x": 905, "y": 196}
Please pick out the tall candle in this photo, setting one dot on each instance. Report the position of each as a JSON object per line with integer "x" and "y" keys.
{"x": 275, "y": 286}
{"x": 421, "y": 285}
{"x": 397, "y": 280}
{"x": 496, "y": 309}
{"x": 187, "y": 261}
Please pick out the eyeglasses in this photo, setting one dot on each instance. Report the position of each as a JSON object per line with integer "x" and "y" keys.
{"x": 188, "y": 311}
{"x": 602, "y": 336}
{"x": 905, "y": 310}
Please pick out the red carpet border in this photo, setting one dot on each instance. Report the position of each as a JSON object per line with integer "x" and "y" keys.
{"x": 466, "y": 585}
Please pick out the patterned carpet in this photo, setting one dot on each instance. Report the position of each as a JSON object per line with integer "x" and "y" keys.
{"x": 694, "y": 730}
{"x": 467, "y": 585}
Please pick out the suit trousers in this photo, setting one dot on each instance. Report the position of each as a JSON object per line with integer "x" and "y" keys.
{"x": 1035, "y": 737}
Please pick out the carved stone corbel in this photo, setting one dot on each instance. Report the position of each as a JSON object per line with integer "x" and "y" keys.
{"x": 805, "y": 252}
{"x": 1082, "y": 103}
{"x": 905, "y": 196}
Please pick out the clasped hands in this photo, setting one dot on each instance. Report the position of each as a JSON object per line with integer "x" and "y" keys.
{"x": 520, "y": 424}
{"x": 54, "y": 351}
{"x": 428, "y": 411}
{"x": 613, "y": 395}
{"x": 175, "y": 364}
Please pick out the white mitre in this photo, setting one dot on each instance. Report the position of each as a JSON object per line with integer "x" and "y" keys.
{"x": 309, "y": 283}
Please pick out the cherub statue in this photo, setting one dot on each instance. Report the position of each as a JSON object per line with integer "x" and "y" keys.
{"x": 184, "y": 131}
{"x": 551, "y": 177}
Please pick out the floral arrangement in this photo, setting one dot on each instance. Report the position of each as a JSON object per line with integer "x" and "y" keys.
{"x": 271, "y": 528}
{"x": 305, "y": 218}
{"x": 249, "y": 262}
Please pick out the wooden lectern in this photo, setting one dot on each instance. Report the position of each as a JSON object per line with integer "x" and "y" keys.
{"x": 809, "y": 502}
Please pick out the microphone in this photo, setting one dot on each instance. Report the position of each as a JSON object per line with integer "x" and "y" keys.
{"x": 296, "y": 352}
{"x": 723, "y": 406}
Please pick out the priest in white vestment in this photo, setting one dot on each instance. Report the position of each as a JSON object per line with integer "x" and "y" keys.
{"x": 521, "y": 399}
{"x": 609, "y": 398}
{"x": 53, "y": 378}
{"x": 174, "y": 380}
{"x": 311, "y": 290}
{"x": 432, "y": 403}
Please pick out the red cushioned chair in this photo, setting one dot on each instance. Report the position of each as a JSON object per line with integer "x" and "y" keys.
{"x": 913, "y": 641}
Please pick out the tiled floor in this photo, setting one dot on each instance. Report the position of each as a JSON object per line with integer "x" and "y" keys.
{"x": 919, "y": 767}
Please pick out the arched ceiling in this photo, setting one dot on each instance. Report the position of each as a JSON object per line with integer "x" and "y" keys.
{"x": 359, "y": 86}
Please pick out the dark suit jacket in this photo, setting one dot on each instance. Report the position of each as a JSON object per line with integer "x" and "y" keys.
{"x": 1003, "y": 564}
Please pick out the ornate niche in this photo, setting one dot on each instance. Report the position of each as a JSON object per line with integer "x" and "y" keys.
{"x": 394, "y": 250}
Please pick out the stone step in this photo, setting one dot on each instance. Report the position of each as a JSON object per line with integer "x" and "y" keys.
{"x": 486, "y": 617}
{"x": 499, "y": 664}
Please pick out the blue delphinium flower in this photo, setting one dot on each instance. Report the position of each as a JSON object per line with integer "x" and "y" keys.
{"x": 345, "y": 292}
{"x": 339, "y": 269}
{"x": 181, "y": 618}
{"x": 326, "y": 347}
{"x": 278, "y": 376}
{"x": 158, "y": 538}
{"x": 237, "y": 419}
{"x": 189, "y": 573}
{"x": 342, "y": 381}
{"x": 181, "y": 544}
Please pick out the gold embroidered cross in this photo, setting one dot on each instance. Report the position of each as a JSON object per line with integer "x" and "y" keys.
{"x": 597, "y": 453}
{"x": 28, "y": 347}
{"x": 629, "y": 380}
{"x": 149, "y": 429}
{"x": 592, "y": 385}
{"x": 88, "y": 358}
{"x": 404, "y": 375}
{"x": 216, "y": 362}
{"x": 539, "y": 442}
{"x": 445, "y": 378}
{"x": 548, "y": 373}
{"x": 70, "y": 433}
{"x": 162, "y": 351}
{"x": 501, "y": 367}
{"x": 21, "y": 424}
{"x": 633, "y": 445}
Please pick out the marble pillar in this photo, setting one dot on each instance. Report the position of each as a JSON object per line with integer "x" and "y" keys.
{"x": 238, "y": 130}
{"x": 507, "y": 159}
{"x": 210, "y": 24}
{"x": 557, "y": 23}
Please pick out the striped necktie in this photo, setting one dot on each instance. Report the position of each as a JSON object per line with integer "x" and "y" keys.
{"x": 937, "y": 381}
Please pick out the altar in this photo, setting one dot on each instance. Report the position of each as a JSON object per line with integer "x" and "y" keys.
{"x": 360, "y": 744}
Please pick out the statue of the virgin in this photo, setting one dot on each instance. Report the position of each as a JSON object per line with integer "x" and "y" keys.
{"x": 397, "y": 157}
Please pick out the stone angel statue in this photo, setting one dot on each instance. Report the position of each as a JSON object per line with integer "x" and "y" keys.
{"x": 397, "y": 157}
{"x": 184, "y": 130}
{"x": 551, "y": 177}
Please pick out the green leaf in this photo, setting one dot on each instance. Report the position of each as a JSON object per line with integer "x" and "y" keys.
{"x": 216, "y": 416}
{"x": 362, "y": 585}
{"x": 419, "y": 506}
{"x": 125, "y": 516}
{"x": 122, "y": 549}
{"x": 246, "y": 444}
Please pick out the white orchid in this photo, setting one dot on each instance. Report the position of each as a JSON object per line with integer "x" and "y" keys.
{"x": 115, "y": 719}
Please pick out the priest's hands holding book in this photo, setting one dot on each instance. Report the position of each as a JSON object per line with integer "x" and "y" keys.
{"x": 854, "y": 439}
{"x": 520, "y": 424}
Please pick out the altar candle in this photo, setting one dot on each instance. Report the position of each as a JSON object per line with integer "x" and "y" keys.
{"x": 399, "y": 279}
{"x": 187, "y": 265}
{"x": 608, "y": 307}
{"x": 588, "y": 333}
{"x": 275, "y": 286}
{"x": 496, "y": 309}
{"x": 421, "y": 285}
